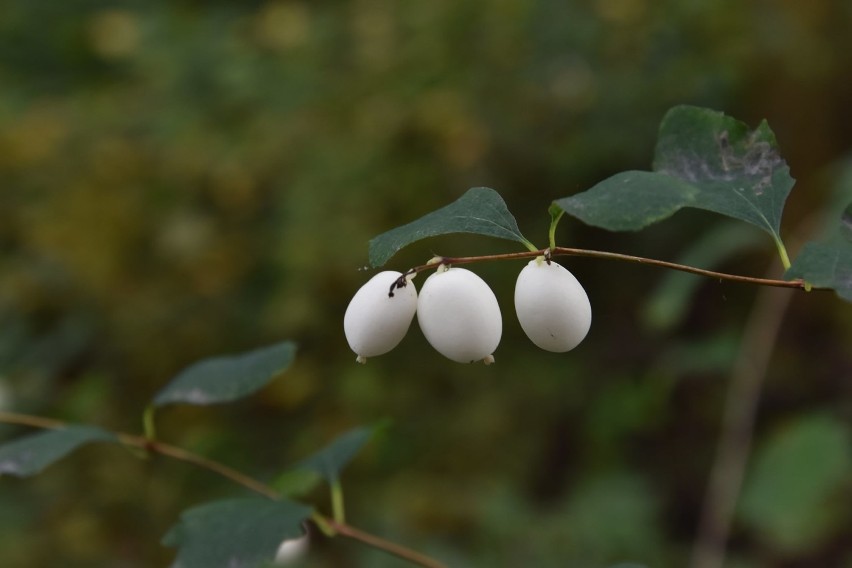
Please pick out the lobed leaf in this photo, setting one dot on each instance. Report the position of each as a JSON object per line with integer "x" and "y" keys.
{"x": 31, "y": 454}
{"x": 480, "y": 211}
{"x": 828, "y": 263}
{"x": 223, "y": 379}
{"x": 330, "y": 461}
{"x": 235, "y": 533}
{"x": 704, "y": 160}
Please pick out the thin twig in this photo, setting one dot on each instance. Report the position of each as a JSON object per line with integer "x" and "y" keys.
{"x": 237, "y": 477}
{"x": 30, "y": 420}
{"x": 563, "y": 251}
{"x": 683, "y": 268}
{"x": 152, "y": 446}
{"x": 389, "y": 547}
{"x": 200, "y": 461}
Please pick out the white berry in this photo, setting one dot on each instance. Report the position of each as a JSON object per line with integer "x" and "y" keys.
{"x": 291, "y": 551}
{"x": 374, "y": 322}
{"x": 459, "y": 315}
{"x": 552, "y": 306}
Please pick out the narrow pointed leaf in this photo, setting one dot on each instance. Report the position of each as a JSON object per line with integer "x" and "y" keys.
{"x": 223, "y": 379}
{"x": 704, "y": 160}
{"x": 29, "y": 455}
{"x": 235, "y": 533}
{"x": 330, "y": 461}
{"x": 480, "y": 211}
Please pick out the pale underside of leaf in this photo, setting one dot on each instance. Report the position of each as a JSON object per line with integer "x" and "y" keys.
{"x": 31, "y": 454}
{"x": 223, "y": 379}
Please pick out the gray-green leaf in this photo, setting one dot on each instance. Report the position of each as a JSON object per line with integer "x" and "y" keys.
{"x": 629, "y": 201}
{"x": 704, "y": 160}
{"x": 479, "y": 211}
{"x": 235, "y": 533}
{"x": 330, "y": 460}
{"x": 223, "y": 379}
{"x": 787, "y": 497}
{"x": 29, "y": 455}
{"x": 828, "y": 263}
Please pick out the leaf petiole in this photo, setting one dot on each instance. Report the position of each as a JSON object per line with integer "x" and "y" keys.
{"x": 782, "y": 252}
{"x": 323, "y": 525}
{"x": 338, "y": 511}
{"x": 531, "y": 247}
{"x": 148, "y": 425}
{"x": 556, "y": 213}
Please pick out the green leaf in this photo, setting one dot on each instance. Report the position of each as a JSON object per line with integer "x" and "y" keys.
{"x": 223, "y": 379}
{"x": 29, "y": 455}
{"x": 704, "y": 160}
{"x": 828, "y": 263}
{"x": 235, "y": 533}
{"x": 330, "y": 461}
{"x": 296, "y": 482}
{"x": 480, "y": 211}
{"x": 629, "y": 201}
{"x": 739, "y": 172}
{"x": 787, "y": 498}
{"x": 556, "y": 214}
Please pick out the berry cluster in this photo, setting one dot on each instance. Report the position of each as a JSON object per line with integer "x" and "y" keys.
{"x": 459, "y": 314}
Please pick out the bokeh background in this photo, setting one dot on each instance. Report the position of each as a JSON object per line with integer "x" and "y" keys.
{"x": 182, "y": 179}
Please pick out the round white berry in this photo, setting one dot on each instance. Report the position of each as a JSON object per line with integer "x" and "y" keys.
{"x": 552, "y": 306}
{"x": 375, "y": 322}
{"x": 459, "y": 315}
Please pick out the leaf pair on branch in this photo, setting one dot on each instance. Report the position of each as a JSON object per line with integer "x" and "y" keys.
{"x": 704, "y": 160}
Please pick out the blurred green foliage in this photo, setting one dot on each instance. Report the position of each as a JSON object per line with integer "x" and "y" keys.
{"x": 186, "y": 179}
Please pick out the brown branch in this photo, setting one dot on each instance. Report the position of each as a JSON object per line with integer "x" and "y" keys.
{"x": 237, "y": 477}
{"x": 30, "y": 420}
{"x": 152, "y": 446}
{"x": 563, "y": 251}
{"x": 387, "y": 546}
{"x": 683, "y": 268}
{"x": 200, "y": 461}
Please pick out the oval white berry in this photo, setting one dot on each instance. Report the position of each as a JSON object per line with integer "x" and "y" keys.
{"x": 459, "y": 315}
{"x": 552, "y": 306}
{"x": 291, "y": 551}
{"x": 374, "y": 322}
